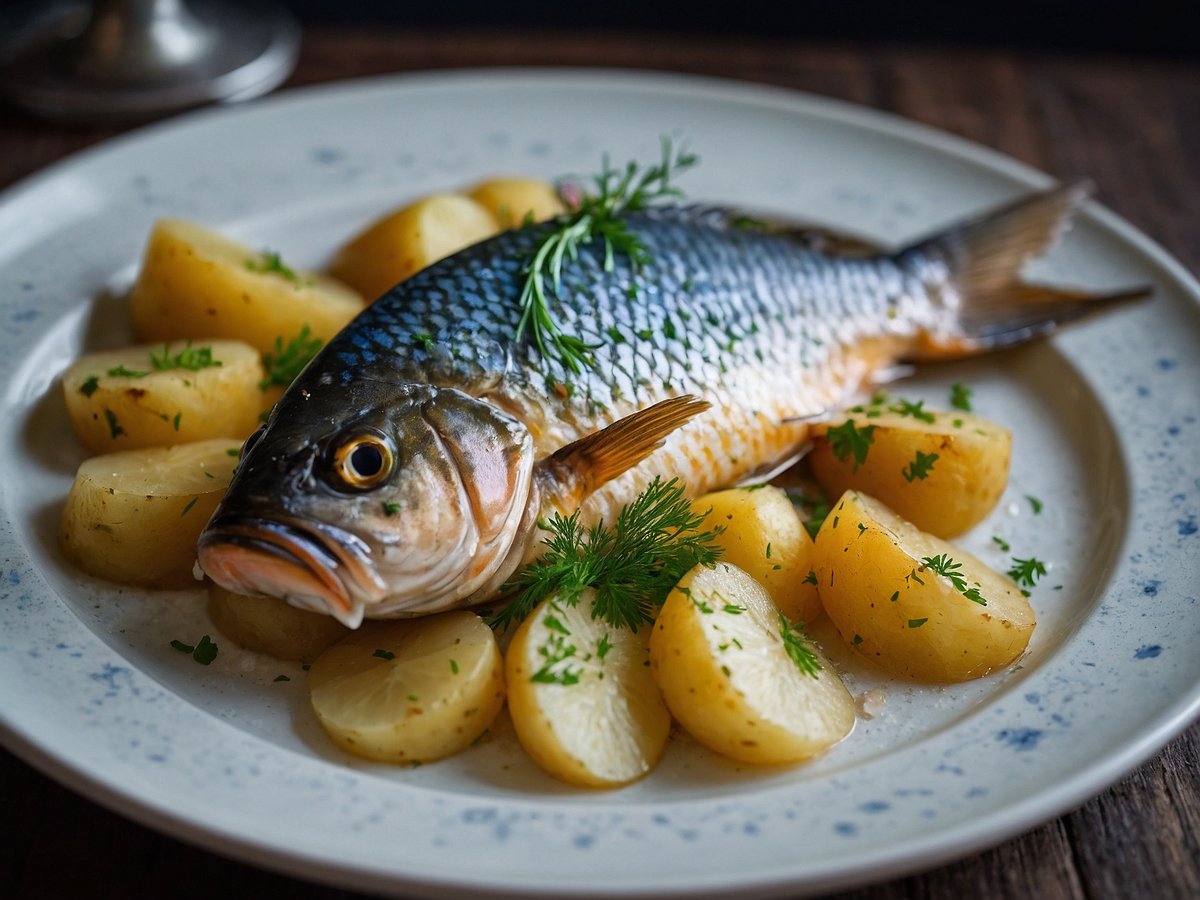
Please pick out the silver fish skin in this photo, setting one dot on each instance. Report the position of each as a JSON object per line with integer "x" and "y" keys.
{"x": 475, "y": 430}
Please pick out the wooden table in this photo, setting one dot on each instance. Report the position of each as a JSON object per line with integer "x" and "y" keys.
{"x": 1131, "y": 125}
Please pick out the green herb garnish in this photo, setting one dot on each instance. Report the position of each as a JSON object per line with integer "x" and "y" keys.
{"x": 848, "y": 440}
{"x": 387, "y": 654}
{"x": 1027, "y": 571}
{"x": 122, "y": 372}
{"x": 960, "y": 397}
{"x": 1035, "y": 503}
{"x": 271, "y": 263}
{"x": 915, "y": 410}
{"x": 287, "y": 361}
{"x": 193, "y": 359}
{"x": 114, "y": 428}
{"x": 798, "y": 645}
{"x": 946, "y": 567}
{"x": 632, "y": 565}
{"x": 920, "y": 467}
{"x": 1001, "y": 543}
{"x": 90, "y": 385}
{"x": 595, "y": 217}
{"x": 204, "y": 652}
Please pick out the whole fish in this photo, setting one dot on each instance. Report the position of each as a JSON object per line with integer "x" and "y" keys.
{"x": 407, "y": 468}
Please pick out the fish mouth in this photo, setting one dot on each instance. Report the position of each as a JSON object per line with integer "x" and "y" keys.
{"x": 311, "y": 565}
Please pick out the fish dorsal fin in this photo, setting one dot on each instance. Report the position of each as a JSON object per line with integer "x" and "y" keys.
{"x": 579, "y": 468}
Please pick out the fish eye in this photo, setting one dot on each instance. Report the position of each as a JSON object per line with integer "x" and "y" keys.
{"x": 364, "y": 462}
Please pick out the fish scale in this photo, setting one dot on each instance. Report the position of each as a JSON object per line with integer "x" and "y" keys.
{"x": 758, "y": 324}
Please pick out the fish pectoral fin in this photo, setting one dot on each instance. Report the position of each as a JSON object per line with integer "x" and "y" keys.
{"x": 579, "y": 468}
{"x": 985, "y": 256}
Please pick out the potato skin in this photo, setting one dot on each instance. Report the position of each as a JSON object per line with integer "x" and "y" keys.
{"x": 440, "y": 689}
{"x": 134, "y": 517}
{"x": 959, "y": 490}
{"x": 906, "y": 618}
{"x": 763, "y": 536}
{"x": 409, "y": 239}
{"x": 728, "y": 679}
{"x": 510, "y": 200}
{"x": 271, "y": 626}
{"x": 195, "y": 283}
{"x": 609, "y": 725}
{"x": 163, "y": 408}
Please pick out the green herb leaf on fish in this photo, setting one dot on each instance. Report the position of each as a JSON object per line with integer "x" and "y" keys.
{"x": 632, "y": 566}
{"x": 288, "y": 360}
{"x": 593, "y": 217}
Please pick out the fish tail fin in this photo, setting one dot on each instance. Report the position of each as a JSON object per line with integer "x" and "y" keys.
{"x": 985, "y": 256}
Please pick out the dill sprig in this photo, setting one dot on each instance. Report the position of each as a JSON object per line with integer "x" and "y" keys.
{"x": 632, "y": 566}
{"x": 593, "y": 217}
{"x": 798, "y": 645}
{"x": 288, "y": 360}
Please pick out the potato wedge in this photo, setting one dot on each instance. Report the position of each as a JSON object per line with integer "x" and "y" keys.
{"x": 164, "y": 394}
{"x": 739, "y": 677}
{"x": 409, "y": 691}
{"x": 914, "y": 604}
{"x": 134, "y": 517}
{"x": 945, "y": 475}
{"x": 763, "y": 536}
{"x": 195, "y": 283}
{"x": 583, "y": 702}
{"x": 271, "y": 626}
{"x": 511, "y": 200}
{"x": 408, "y": 240}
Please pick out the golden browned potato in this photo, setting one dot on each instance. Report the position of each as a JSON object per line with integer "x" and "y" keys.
{"x": 763, "y": 536}
{"x": 408, "y": 240}
{"x": 583, "y": 702}
{"x": 942, "y": 471}
{"x": 164, "y": 394}
{"x": 134, "y": 517}
{"x": 739, "y": 677}
{"x": 195, "y": 283}
{"x": 513, "y": 201}
{"x": 916, "y": 605}
{"x": 409, "y": 691}
{"x": 271, "y": 626}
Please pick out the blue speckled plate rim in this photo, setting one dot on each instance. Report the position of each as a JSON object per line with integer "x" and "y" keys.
{"x": 898, "y": 858}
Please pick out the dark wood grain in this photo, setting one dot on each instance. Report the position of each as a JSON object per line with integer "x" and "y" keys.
{"x": 1131, "y": 125}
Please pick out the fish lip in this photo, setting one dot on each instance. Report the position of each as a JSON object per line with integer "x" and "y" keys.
{"x": 329, "y": 564}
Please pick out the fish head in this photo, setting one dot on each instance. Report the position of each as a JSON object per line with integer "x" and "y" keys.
{"x": 375, "y": 500}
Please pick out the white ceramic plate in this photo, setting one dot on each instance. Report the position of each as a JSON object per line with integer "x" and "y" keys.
{"x": 1106, "y": 431}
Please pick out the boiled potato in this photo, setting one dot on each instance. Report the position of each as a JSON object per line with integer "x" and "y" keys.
{"x": 513, "y": 201}
{"x": 919, "y": 607}
{"x": 271, "y": 626}
{"x": 583, "y": 702}
{"x": 134, "y": 517}
{"x": 409, "y": 691}
{"x": 763, "y": 536}
{"x": 408, "y": 240}
{"x": 195, "y": 283}
{"x": 164, "y": 394}
{"x": 741, "y": 679}
{"x": 943, "y": 475}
